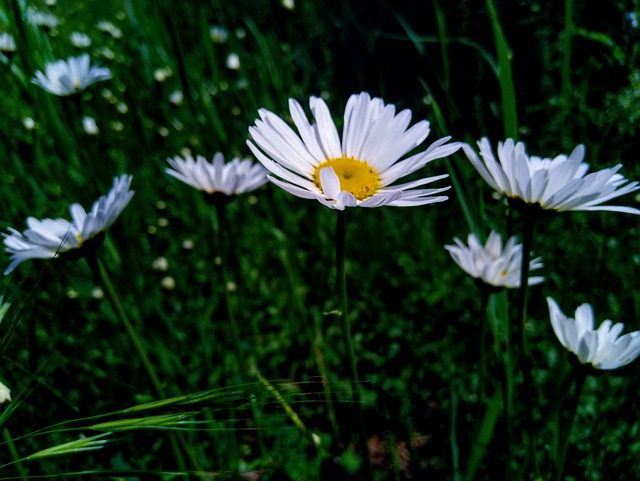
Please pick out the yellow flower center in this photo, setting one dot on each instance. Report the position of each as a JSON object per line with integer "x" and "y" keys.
{"x": 356, "y": 176}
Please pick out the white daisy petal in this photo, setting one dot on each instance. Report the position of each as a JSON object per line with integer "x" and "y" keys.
{"x": 363, "y": 164}
{"x": 601, "y": 348}
{"x": 561, "y": 184}
{"x": 67, "y": 77}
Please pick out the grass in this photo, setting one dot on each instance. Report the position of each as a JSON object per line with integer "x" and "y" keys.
{"x": 83, "y": 406}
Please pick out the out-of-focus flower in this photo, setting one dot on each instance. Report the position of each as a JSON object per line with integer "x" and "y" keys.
{"x": 110, "y": 28}
{"x": 42, "y": 19}
{"x": 233, "y": 61}
{"x": 29, "y": 123}
{"x": 80, "y": 40}
{"x": 7, "y": 44}
{"x": 67, "y": 77}
{"x": 493, "y": 264}
{"x": 160, "y": 264}
{"x": 601, "y": 348}
{"x": 218, "y": 179}
{"x": 89, "y": 126}
{"x": 162, "y": 74}
{"x": 357, "y": 170}
{"x": 50, "y": 238}
{"x": 5, "y": 393}
{"x": 241, "y": 33}
{"x": 168, "y": 283}
{"x": 288, "y": 4}
{"x": 176, "y": 97}
{"x": 560, "y": 184}
{"x": 218, "y": 34}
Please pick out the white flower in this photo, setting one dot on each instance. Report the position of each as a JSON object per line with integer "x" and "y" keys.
{"x": 233, "y": 61}
{"x": 288, "y": 4}
{"x": 602, "y": 348}
{"x": 492, "y": 264}
{"x": 110, "y": 28}
{"x": 48, "y": 238}
{"x": 42, "y": 19}
{"x": 218, "y": 34}
{"x": 89, "y": 126}
{"x": 80, "y": 40}
{"x": 354, "y": 171}
{"x": 176, "y": 97}
{"x": 560, "y": 184}
{"x": 232, "y": 178}
{"x": 70, "y": 76}
{"x": 5, "y": 393}
{"x": 7, "y": 43}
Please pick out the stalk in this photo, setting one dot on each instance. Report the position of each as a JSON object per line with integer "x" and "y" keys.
{"x": 573, "y": 408}
{"x": 347, "y": 339}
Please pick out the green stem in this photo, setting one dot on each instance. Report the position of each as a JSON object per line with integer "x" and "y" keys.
{"x": 244, "y": 371}
{"x": 100, "y": 273}
{"x": 341, "y": 278}
{"x": 483, "y": 328}
{"x": 566, "y": 432}
{"x": 566, "y": 65}
{"x": 15, "y": 458}
{"x": 528, "y": 224}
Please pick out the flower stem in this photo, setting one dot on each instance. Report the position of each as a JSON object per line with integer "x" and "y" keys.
{"x": 347, "y": 339}
{"x": 483, "y": 327}
{"x": 528, "y": 224}
{"x": 101, "y": 275}
{"x": 568, "y": 426}
{"x": 222, "y": 230}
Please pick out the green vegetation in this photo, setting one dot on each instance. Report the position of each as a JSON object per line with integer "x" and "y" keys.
{"x": 83, "y": 403}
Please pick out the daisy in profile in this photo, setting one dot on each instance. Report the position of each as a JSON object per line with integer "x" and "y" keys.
{"x": 50, "y": 238}
{"x": 221, "y": 181}
{"x": 602, "y": 348}
{"x": 67, "y": 77}
{"x": 356, "y": 169}
{"x": 493, "y": 264}
{"x": 558, "y": 184}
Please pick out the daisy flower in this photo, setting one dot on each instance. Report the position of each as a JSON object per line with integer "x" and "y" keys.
{"x": 601, "y": 348}
{"x": 493, "y": 264}
{"x": 7, "y": 44}
{"x": 5, "y": 394}
{"x": 50, "y": 238}
{"x": 358, "y": 169}
{"x": 560, "y": 184}
{"x": 80, "y": 40}
{"x": 218, "y": 178}
{"x": 67, "y": 77}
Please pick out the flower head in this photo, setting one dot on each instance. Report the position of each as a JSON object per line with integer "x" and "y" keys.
{"x": 217, "y": 177}
{"x": 67, "y": 77}
{"x": 7, "y": 44}
{"x": 492, "y": 264}
{"x": 602, "y": 348}
{"x": 559, "y": 184}
{"x": 49, "y": 238}
{"x": 5, "y": 393}
{"x": 354, "y": 171}
{"x": 80, "y": 40}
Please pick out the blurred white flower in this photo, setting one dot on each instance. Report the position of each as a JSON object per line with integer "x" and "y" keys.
{"x": 42, "y": 19}
{"x": 80, "y": 40}
{"x": 218, "y": 178}
{"x": 5, "y": 393}
{"x": 7, "y": 43}
{"x": 49, "y": 238}
{"x": 602, "y": 348}
{"x": 110, "y": 28}
{"x": 162, "y": 74}
{"x": 560, "y": 184}
{"x": 70, "y": 76}
{"x": 218, "y": 34}
{"x": 241, "y": 33}
{"x": 357, "y": 170}
{"x": 29, "y": 123}
{"x": 89, "y": 126}
{"x": 493, "y": 264}
{"x": 288, "y": 4}
{"x": 160, "y": 264}
{"x": 168, "y": 283}
{"x": 176, "y": 97}
{"x": 233, "y": 61}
